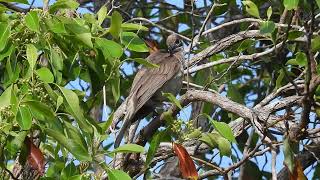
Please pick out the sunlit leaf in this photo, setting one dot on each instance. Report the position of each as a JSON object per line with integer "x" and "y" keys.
{"x": 32, "y": 21}
{"x": 133, "y": 42}
{"x": 24, "y": 118}
{"x": 45, "y": 75}
{"x": 251, "y": 8}
{"x": 102, "y": 14}
{"x": 63, "y": 4}
{"x": 116, "y": 21}
{"x": 32, "y": 55}
{"x": 4, "y": 34}
{"x": 109, "y": 48}
{"x": 129, "y": 148}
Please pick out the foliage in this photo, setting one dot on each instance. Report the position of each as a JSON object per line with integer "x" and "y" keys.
{"x": 62, "y": 70}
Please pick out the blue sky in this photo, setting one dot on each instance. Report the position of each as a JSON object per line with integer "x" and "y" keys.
{"x": 186, "y": 112}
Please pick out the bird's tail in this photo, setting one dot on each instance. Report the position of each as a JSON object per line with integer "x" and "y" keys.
{"x": 125, "y": 125}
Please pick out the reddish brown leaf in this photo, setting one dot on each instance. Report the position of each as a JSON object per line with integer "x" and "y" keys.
{"x": 186, "y": 165}
{"x": 35, "y": 157}
{"x": 297, "y": 173}
{"x": 153, "y": 47}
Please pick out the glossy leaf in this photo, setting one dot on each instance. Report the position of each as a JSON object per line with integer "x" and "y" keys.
{"x": 133, "y": 42}
{"x": 134, "y": 148}
{"x": 4, "y": 34}
{"x": 251, "y": 8}
{"x": 32, "y": 21}
{"x": 186, "y": 164}
{"x": 45, "y": 75}
{"x": 81, "y": 33}
{"x": 116, "y": 21}
{"x": 69, "y": 171}
{"x": 24, "y": 118}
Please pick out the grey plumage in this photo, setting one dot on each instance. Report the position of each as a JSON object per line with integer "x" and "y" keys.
{"x": 149, "y": 83}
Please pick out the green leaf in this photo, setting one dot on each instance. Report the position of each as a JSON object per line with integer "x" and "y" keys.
{"x": 116, "y": 21}
{"x": 133, "y": 42}
{"x": 318, "y": 3}
{"x": 102, "y": 14}
{"x": 134, "y": 148}
{"x": 14, "y": 145}
{"x": 75, "y": 135}
{"x": 45, "y": 75}
{"x": 290, "y": 4}
{"x": 73, "y": 103}
{"x": 81, "y": 33}
{"x": 269, "y": 12}
{"x": 210, "y": 139}
{"x": 154, "y": 144}
{"x": 115, "y": 86}
{"x": 69, "y": 171}
{"x": 109, "y": 48}
{"x": 5, "y": 98}
{"x": 40, "y": 111}
{"x": 144, "y": 62}
{"x": 55, "y": 25}
{"x": 245, "y": 44}
{"x": 7, "y": 51}
{"x": 16, "y": 1}
{"x": 114, "y": 174}
{"x": 133, "y": 27}
{"x": 24, "y": 118}
{"x": 295, "y": 34}
{"x": 223, "y": 129}
{"x": 315, "y": 44}
{"x": 251, "y": 8}
{"x": 4, "y": 34}
{"x": 63, "y": 4}
{"x": 56, "y": 60}
{"x": 74, "y": 148}
{"x": 172, "y": 99}
{"x": 32, "y": 21}
{"x": 300, "y": 60}
{"x": 279, "y": 79}
{"x": 288, "y": 155}
{"x": 267, "y": 27}
{"x": 32, "y": 55}
{"x": 59, "y": 101}
{"x": 224, "y": 146}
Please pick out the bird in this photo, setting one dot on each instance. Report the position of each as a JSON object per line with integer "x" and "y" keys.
{"x": 149, "y": 83}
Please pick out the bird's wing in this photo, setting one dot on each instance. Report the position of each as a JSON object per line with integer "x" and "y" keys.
{"x": 148, "y": 80}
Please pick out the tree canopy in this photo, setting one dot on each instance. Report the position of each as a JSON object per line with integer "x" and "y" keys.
{"x": 249, "y": 108}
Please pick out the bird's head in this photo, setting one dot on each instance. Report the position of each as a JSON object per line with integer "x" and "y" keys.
{"x": 174, "y": 43}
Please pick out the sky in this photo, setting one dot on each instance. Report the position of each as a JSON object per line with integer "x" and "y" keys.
{"x": 186, "y": 111}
